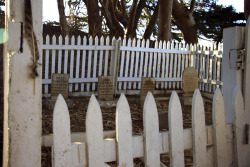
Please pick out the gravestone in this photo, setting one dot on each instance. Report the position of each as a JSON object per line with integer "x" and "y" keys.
{"x": 147, "y": 85}
{"x": 60, "y": 85}
{"x": 105, "y": 88}
{"x": 189, "y": 81}
{"x": 189, "y": 84}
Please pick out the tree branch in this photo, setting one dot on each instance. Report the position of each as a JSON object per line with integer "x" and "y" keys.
{"x": 129, "y": 28}
{"x": 151, "y": 24}
{"x": 192, "y": 6}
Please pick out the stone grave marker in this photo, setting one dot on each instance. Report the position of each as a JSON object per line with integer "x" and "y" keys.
{"x": 60, "y": 85}
{"x": 147, "y": 84}
{"x": 105, "y": 88}
{"x": 189, "y": 81}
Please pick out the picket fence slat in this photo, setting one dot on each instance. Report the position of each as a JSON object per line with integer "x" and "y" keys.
{"x": 101, "y": 58}
{"x": 61, "y": 134}
{"x": 65, "y": 71}
{"x": 219, "y": 121}
{"x": 146, "y": 60}
{"x": 171, "y": 66}
{"x": 122, "y": 63}
{"x": 159, "y": 64}
{"x": 72, "y": 58}
{"x": 124, "y": 133}
{"x": 83, "y": 62}
{"x": 179, "y": 66}
{"x": 167, "y": 65}
{"x": 127, "y": 64}
{"x": 137, "y": 61}
{"x": 163, "y": 64}
{"x": 132, "y": 64}
{"x": 199, "y": 130}
{"x": 89, "y": 62}
{"x": 59, "y": 66}
{"x": 77, "y": 62}
{"x": 95, "y": 62}
{"x": 106, "y": 58}
{"x": 151, "y": 132}
{"x": 94, "y": 131}
{"x": 175, "y": 65}
{"x": 53, "y": 56}
{"x": 141, "y": 62}
{"x": 46, "y": 65}
{"x": 176, "y": 131}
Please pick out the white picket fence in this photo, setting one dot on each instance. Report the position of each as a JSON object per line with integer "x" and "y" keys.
{"x": 217, "y": 145}
{"x": 128, "y": 60}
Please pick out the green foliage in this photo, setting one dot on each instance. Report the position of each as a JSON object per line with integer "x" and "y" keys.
{"x": 210, "y": 22}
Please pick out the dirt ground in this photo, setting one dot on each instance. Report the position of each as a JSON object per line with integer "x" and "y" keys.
{"x": 78, "y": 116}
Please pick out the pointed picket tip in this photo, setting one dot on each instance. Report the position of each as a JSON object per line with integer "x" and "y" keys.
{"x": 147, "y": 43}
{"x": 61, "y": 133}
{"x": 60, "y": 106}
{"x": 94, "y": 132}
{"x": 53, "y": 38}
{"x": 219, "y": 126}
{"x": 138, "y": 42}
{"x": 151, "y": 132}
{"x": 199, "y": 130}
{"x": 175, "y": 122}
{"x": 124, "y": 133}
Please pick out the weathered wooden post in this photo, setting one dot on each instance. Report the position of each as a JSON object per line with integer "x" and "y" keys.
{"x": 232, "y": 73}
{"x": 22, "y": 84}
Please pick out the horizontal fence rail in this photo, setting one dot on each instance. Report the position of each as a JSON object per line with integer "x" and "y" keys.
{"x": 128, "y": 60}
{"x": 216, "y": 145}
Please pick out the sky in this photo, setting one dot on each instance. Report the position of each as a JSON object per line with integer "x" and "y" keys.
{"x": 50, "y": 11}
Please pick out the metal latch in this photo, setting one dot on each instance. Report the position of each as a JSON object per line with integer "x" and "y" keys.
{"x": 236, "y": 58}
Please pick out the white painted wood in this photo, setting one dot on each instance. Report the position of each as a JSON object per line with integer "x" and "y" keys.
{"x": 175, "y": 64}
{"x": 150, "y": 64}
{"x": 204, "y": 70}
{"x": 242, "y": 150}
{"x": 141, "y": 63}
{"x": 167, "y": 65}
{"x": 72, "y": 57}
{"x": 61, "y": 134}
{"x": 163, "y": 64}
{"x": 83, "y": 62}
{"x": 199, "y": 130}
{"x": 65, "y": 70}
{"x": 171, "y": 66}
{"x": 246, "y": 82}
{"x": 158, "y": 64}
{"x": 95, "y": 62}
{"x": 151, "y": 132}
{"x": 137, "y": 61}
{"x": 106, "y": 58}
{"x": 101, "y": 57}
{"x": 146, "y": 60}
{"x": 53, "y": 56}
{"x": 22, "y": 94}
{"x": 183, "y": 61}
{"x": 59, "y": 68}
{"x": 210, "y": 72}
{"x": 214, "y": 71}
{"x": 179, "y": 66}
{"x": 77, "y": 62}
{"x": 94, "y": 131}
{"x": 219, "y": 127}
{"x": 122, "y": 63}
{"x": 124, "y": 133}
{"x": 89, "y": 62}
{"x": 132, "y": 64}
{"x": 175, "y": 131}
{"x": 46, "y": 64}
{"x": 155, "y": 60}
{"x": 127, "y": 64}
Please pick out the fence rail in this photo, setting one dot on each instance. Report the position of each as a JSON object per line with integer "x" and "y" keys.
{"x": 128, "y": 60}
{"x": 212, "y": 145}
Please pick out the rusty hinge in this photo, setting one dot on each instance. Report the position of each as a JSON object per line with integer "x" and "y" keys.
{"x": 236, "y": 58}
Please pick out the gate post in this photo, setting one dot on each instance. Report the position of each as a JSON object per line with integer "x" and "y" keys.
{"x": 22, "y": 93}
{"x": 246, "y": 86}
{"x": 233, "y": 41}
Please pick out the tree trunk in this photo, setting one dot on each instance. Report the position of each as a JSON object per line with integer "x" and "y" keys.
{"x": 164, "y": 15}
{"x": 62, "y": 18}
{"x": 151, "y": 24}
{"x": 129, "y": 28}
{"x": 247, "y": 8}
{"x": 94, "y": 19}
{"x": 185, "y": 21}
